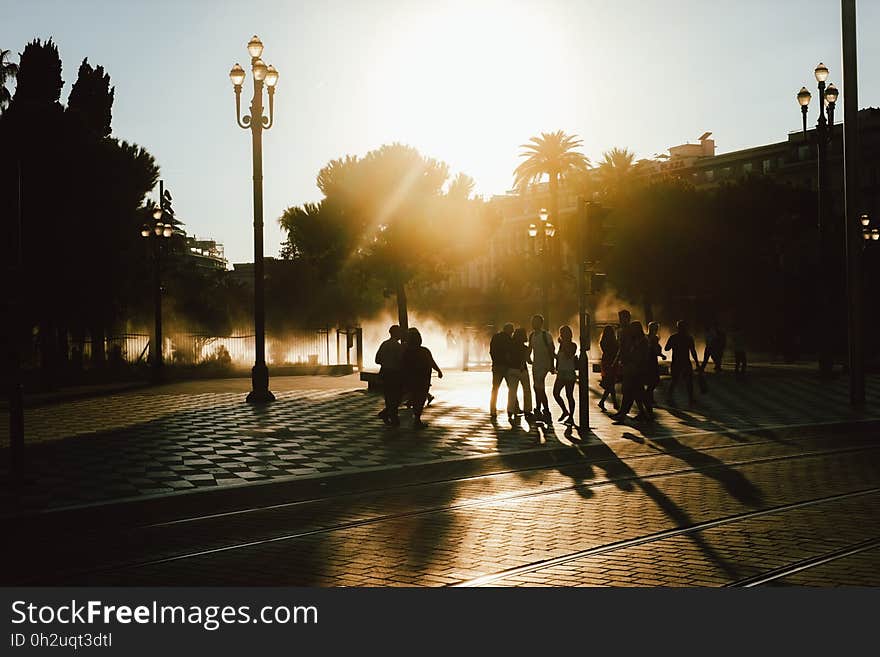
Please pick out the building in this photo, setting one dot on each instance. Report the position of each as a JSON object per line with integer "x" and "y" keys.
{"x": 791, "y": 161}
{"x": 206, "y": 254}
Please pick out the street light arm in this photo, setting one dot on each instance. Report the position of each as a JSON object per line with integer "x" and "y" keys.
{"x": 268, "y": 122}
{"x": 242, "y": 122}
{"x": 830, "y": 121}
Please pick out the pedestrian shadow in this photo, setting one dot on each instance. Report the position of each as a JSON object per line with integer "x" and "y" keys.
{"x": 628, "y": 480}
{"x": 734, "y": 482}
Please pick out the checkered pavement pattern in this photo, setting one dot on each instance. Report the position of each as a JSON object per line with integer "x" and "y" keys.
{"x": 132, "y": 445}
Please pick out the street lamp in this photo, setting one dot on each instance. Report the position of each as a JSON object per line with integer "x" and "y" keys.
{"x": 823, "y": 136}
{"x": 547, "y": 231}
{"x": 869, "y": 234}
{"x": 256, "y": 122}
{"x": 156, "y": 233}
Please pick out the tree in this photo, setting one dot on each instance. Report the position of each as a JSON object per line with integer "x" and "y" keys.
{"x": 385, "y": 218}
{"x": 617, "y": 171}
{"x": 554, "y": 154}
{"x": 8, "y": 71}
{"x": 81, "y": 193}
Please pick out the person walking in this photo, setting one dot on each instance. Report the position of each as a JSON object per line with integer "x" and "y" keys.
{"x": 624, "y": 319}
{"x": 653, "y": 367}
{"x": 388, "y": 359}
{"x": 635, "y": 360}
{"x": 610, "y": 348}
{"x": 500, "y": 348}
{"x": 518, "y": 375}
{"x": 738, "y": 341}
{"x": 681, "y": 344}
{"x": 566, "y": 366}
{"x": 417, "y": 363}
{"x": 543, "y": 355}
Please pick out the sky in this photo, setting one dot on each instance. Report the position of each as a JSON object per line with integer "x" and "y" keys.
{"x": 465, "y": 82}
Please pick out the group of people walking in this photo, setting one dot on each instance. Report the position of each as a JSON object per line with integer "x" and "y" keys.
{"x": 630, "y": 358}
{"x": 512, "y": 350}
{"x": 405, "y": 367}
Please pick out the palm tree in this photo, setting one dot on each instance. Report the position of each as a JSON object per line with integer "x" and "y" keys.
{"x": 616, "y": 170}
{"x": 8, "y": 70}
{"x": 552, "y": 153}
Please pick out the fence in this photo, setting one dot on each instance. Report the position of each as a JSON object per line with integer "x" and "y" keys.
{"x": 306, "y": 347}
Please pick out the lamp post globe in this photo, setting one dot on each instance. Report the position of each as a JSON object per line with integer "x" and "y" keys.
{"x": 255, "y": 47}
{"x": 236, "y": 75}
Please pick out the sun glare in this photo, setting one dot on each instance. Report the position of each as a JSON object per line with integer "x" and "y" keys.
{"x": 461, "y": 82}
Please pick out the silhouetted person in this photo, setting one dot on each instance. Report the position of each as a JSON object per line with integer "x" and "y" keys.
{"x": 634, "y": 352}
{"x": 566, "y": 366}
{"x": 388, "y": 359}
{"x": 416, "y": 366}
{"x": 653, "y": 368}
{"x": 543, "y": 356}
{"x": 716, "y": 341}
{"x": 500, "y": 351}
{"x": 681, "y": 344}
{"x": 624, "y": 319}
{"x": 610, "y": 348}
{"x": 517, "y": 375}
{"x": 739, "y": 351}
{"x": 450, "y": 340}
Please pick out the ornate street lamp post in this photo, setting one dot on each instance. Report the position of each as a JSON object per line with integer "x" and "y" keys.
{"x": 156, "y": 234}
{"x": 546, "y": 230}
{"x": 256, "y": 122}
{"x": 824, "y": 134}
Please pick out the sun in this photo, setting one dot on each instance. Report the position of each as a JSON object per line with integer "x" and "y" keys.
{"x": 467, "y": 83}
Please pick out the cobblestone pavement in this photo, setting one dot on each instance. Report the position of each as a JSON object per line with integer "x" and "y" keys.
{"x": 196, "y": 435}
{"x": 705, "y": 510}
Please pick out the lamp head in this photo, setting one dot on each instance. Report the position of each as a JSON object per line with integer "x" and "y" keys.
{"x": 831, "y": 93}
{"x": 804, "y": 96}
{"x": 145, "y": 231}
{"x": 158, "y": 228}
{"x": 875, "y": 234}
{"x": 236, "y": 75}
{"x": 157, "y": 212}
{"x": 542, "y": 213}
{"x": 255, "y": 46}
{"x": 168, "y": 230}
{"x": 533, "y": 230}
{"x": 865, "y": 220}
{"x": 271, "y": 76}
{"x": 260, "y": 70}
{"x": 549, "y": 229}
{"x": 821, "y": 72}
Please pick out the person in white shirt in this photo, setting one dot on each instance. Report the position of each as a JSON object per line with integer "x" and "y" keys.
{"x": 543, "y": 356}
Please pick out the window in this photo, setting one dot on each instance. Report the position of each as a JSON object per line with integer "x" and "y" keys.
{"x": 780, "y": 162}
{"x": 747, "y": 168}
{"x": 803, "y": 152}
{"x": 725, "y": 172}
{"x": 765, "y": 166}
{"x": 710, "y": 175}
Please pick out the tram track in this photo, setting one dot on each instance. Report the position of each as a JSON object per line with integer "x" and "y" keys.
{"x": 507, "y": 498}
{"x": 805, "y": 564}
{"x": 678, "y": 531}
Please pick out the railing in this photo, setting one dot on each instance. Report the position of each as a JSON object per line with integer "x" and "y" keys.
{"x": 306, "y": 347}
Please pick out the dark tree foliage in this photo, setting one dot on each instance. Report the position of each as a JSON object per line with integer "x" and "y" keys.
{"x": 91, "y": 100}
{"x": 81, "y": 194}
{"x": 741, "y": 254}
{"x": 389, "y": 219}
